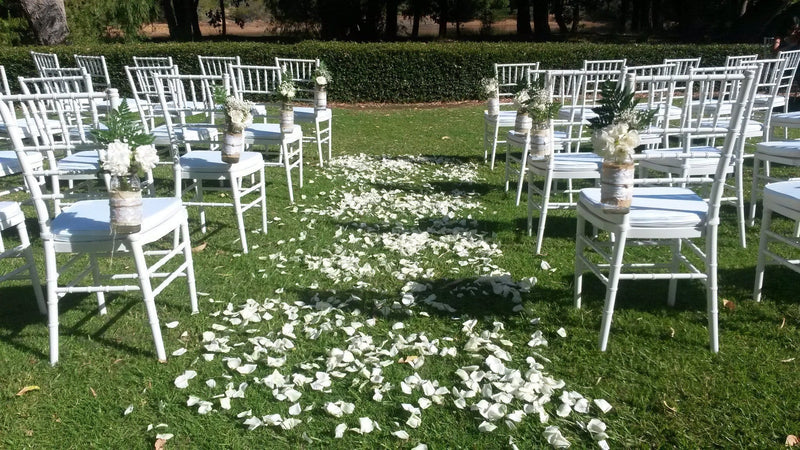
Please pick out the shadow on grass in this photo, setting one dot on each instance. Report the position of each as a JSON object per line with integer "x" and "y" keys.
{"x": 472, "y": 296}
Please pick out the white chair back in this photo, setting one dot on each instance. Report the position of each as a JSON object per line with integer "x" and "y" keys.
{"x": 509, "y": 75}
{"x": 683, "y": 65}
{"x": 301, "y": 71}
{"x": 739, "y": 60}
{"x": 44, "y": 61}
{"x": 143, "y": 87}
{"x": 216, "y": 65}
{"x": 97, "y": 69}
{"x": 604, "y": 64}
{"x": 152, "y": 61}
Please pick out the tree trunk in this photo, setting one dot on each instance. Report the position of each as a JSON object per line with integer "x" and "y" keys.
{"x": 624, "y": 8}
{"x": 524, "y": 18}
{"x": 558, "y": 12}
{"x": 182, "y": 19}
{"x": 391, "y": 19}
{"x": 576, "y": 15}
{"x": 48, "y": 20}
{"x": 541, "y": 24}
{"x": 415, "y": 25}
{"x": 224, "y": 18}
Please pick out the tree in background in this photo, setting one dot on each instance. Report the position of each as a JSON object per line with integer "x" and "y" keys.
{"x": 182, "y": 19}
{"x": 48, "y": 20}
{"x": 101, "y": 20}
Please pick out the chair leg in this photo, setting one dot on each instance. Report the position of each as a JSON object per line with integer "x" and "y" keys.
{"x": 287, "y": 165}
{"x": 200, "y": 199}
{"x": 508, "y": 164}
{"x": 262, "y": 183}
{"x": 740, "y": 203}
{"x": 494, "y": 142}
{"x": 237, "y": 206}
{"x": 766, "y": 223}
{"x": 187, "y": 257}
{"x": 51, "y": 275}
{"x": 300, "y": 164}
{"x": 580, "y": 235}
{"x": 674, "y": 267}
{"x": 711, "y": 291}
{"x": 27, "y": 254}
{"x": 101, "y": 296}
{"x": 531, "y": 191}
{"x": 543, "y": 210}
{"x": 523, "y": 166}
{"x": 330, "y": 138}
{"x": 148, "y": 298}
{"x": 612, "y": 287}
{"x": 754, "y": 191}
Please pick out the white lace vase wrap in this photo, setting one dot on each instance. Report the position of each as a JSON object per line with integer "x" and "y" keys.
{"x": 232, "y": 147}
{"x": 616, "y": 186}
{"x": 541, "y": 142}
{"x": 320, "y": 97}
{"x": 523, "y": 123}
{"x": 493, "y": 106}
{"x": 287, "y": 119}
{"x": 125, "y": 210}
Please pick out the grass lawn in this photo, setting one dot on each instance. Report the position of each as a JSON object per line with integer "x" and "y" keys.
{"x": 399, "y": 303}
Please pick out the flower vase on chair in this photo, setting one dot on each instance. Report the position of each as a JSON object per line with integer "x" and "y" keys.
{"x": 523, "y": 123}
{"x": 125, "y": 204}
{"x": 493, "y": 106}
{"x": 320, "y": 97}
{"x": 540, "y": 140}
{"x": 232, "y": 147}
{"x": 616, "y": 185}
{"x": 287, "y": 118}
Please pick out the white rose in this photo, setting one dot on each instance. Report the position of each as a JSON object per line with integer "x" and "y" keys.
{"x": 117, "y": 158}
{"x": 321, "y": 81}
{"x": 146, "y": 157}
{"x": 603, "y": 142}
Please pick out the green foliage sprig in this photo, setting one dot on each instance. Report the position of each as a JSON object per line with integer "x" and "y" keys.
{"x": 122, "y": 125}
{"x": 619, "y": 106}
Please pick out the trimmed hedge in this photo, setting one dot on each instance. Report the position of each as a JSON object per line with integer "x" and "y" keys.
{"x": 383, "y": 72}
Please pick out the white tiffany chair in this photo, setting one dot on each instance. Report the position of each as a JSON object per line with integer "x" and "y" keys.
{"x": 153, "y": 61}
{"x": 654, "y": 94}
{"x": 670, "y": 217}
{"x": 258, "y": 84}
{"x": 44, "y": 61}
{"x": 604, "y": 64}
{"x": 508, "y": 77}
{"x": 9, "y": 165}
{"x": 81, "y": 234}
{"x": 302, "y": 73}
{"x": 95, "y": 66}
{"x": 197, "y": 136}
{"x": 739, "y": 60}
{"x": 783, "y": 118}
{"x": 143, "y": 87}
{"x": 216, "y": 65}
{"x": 707, "y": 119}
{"x": 11, "y": 217}
{"x": 781, "y": 198}
{"x": 785, "y": 153}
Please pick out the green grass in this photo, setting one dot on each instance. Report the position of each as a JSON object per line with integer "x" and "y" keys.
{"x": 667, "y": 389}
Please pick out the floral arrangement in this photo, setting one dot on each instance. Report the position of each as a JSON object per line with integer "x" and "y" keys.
{"x": 534, "y": 100}
{"x": 489, "y": 87}
{"x": 618, "y": 123}
{"x": 322, "y": 76}
{"x": 128, "y": 148}
{"x": 238, "y": 114}
{"x": 286, "y": 89}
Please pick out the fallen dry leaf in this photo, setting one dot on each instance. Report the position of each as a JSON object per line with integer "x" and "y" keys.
{"x": 670, "y": 408}
{"x": 444, "y": 138}
{"x": 792, "y": 440}
{"x": 407, "y": 359}
{"x": 200, "y": 247}
{"x": 728, "y": 304}
{"x": 94, "y": 394}
{"x": 159, "y": 445}
{"x": 671, "y": 332}
{"x": 27, "y": 389}
{"x": 783, "y": 323}
{"x": 787, "y": 360}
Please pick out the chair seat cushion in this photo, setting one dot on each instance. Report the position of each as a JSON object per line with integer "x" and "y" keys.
{"x": 10, "y": 215}
{"x": 783, "y": 193}
{"x": 210, "y": 161}
{"x": 184, "y": 134}
{"x": 85, "y": 161}
{"x": 790, "y": 119}
{"x": 9, "y": 164}
{"x": 576, "y": 113}
{"x": 570, "y": 162}
{"x": 703, "y": 159}
{"x": 506, "y": 118}
{"x": 270, "y": 133}
{"x": 658, "y": 207}
{"x": 784, "y": 149}
{"x": 88, "y": 221}
{"x": 309, "y": 114}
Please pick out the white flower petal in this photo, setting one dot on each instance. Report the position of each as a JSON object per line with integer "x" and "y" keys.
{"x": 602, "y": 404}
{"x": 486, "y": 427}
{"x": 340, "y": 429}
{"x": 401, "y": 434}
